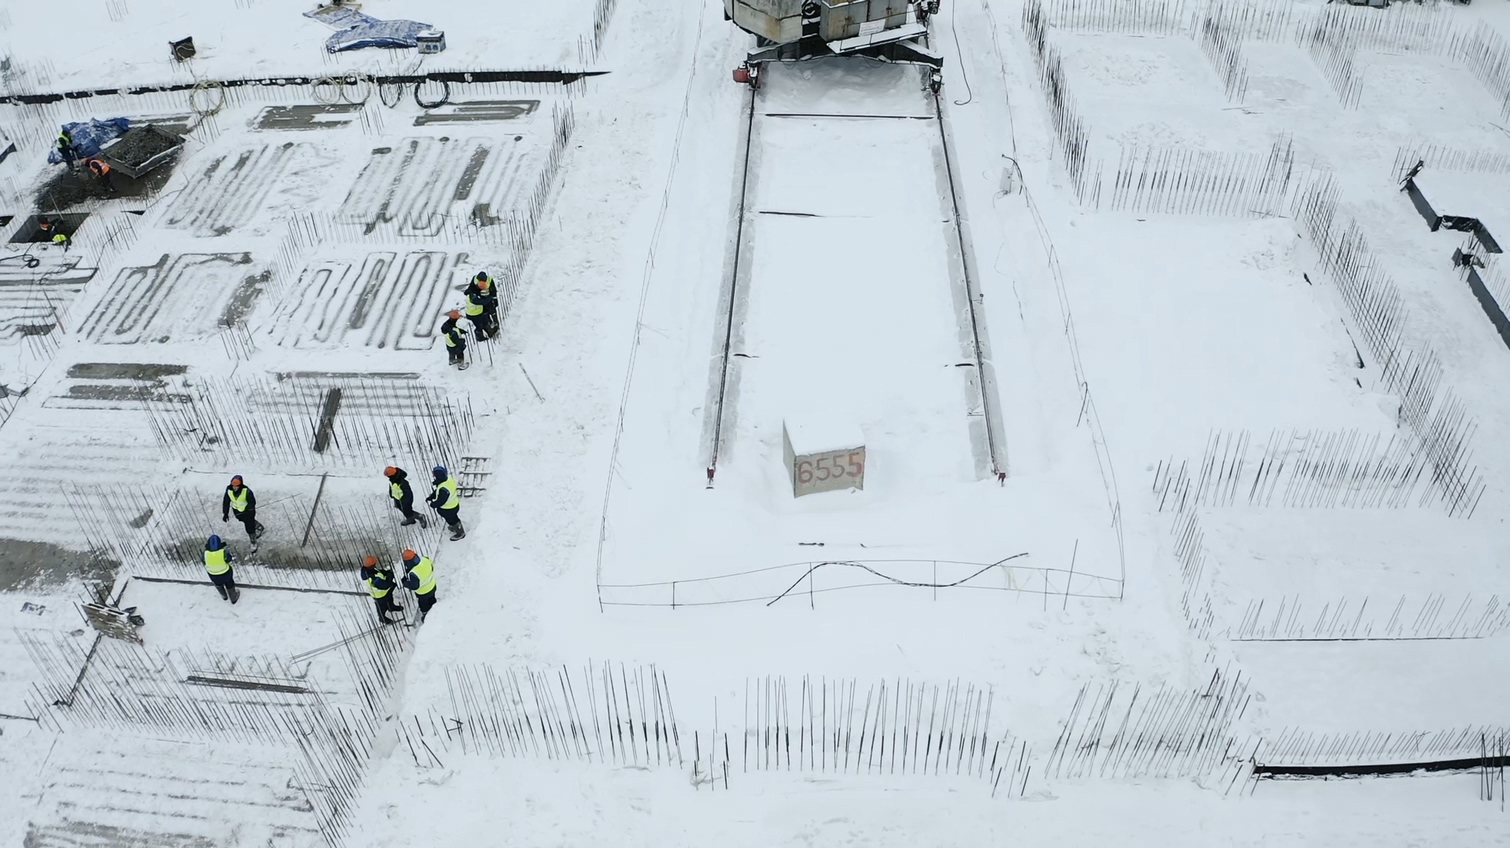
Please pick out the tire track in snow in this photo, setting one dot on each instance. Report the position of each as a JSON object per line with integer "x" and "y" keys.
{"x": 639, "y": 320}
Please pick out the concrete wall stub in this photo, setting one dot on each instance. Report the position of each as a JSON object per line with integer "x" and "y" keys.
{"x": 823, "y": 455}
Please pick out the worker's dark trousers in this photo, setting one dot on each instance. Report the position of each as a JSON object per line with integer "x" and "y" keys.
{"x": 225, "y": 583}
{"x": 456, "y": 354}
{"x": 386, "y": 605}
{"x": 486, "y": 325}
{"x": 452, "y": 516}
{"x": 426, "y": 601}
{"x": 406, "y": 506}
{"x": 248, "y": 520}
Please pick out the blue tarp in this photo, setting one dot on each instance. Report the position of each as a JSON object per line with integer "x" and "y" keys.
{"x": 358, "y": 30}
{"x": 89, "y": 135}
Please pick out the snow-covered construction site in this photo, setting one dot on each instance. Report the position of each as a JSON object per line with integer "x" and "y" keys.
{"x": 823, "y": 422}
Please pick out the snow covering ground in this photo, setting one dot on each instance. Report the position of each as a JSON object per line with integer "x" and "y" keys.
{"x": 1219, "y": 546}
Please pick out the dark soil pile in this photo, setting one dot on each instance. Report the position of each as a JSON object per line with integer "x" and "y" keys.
{"x": 140, "y": 144}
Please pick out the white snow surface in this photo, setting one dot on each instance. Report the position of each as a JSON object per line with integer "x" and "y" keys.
{"x": 819, "y": 432}
{"x": 632, "y": 649}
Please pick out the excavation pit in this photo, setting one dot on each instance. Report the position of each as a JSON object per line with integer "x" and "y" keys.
{"x": 31, "y": 231}
{"x": 70, "y": 187}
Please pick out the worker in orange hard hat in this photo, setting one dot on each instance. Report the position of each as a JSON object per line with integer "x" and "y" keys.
{"x": 419, "y": 578}
{"x": 240, "y": 500}
{"x": 49, "y": 229}
{"x": 482, "y": 306}
{"x": 403, "y": 496}
{"x": 456, "y": 340}
{"x": 380, "y": 585}
{"x": 101, "y": 170}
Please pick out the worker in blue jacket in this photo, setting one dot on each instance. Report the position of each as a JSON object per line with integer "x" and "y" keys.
{"x": 419, "y": 578}
{"x": 217, "y": 564}
{"x": 380, "y": 586}
{"x": 65, "y": 148}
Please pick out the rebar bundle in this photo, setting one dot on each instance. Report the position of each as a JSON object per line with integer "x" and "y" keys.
{"x": 1123, "y": 17}
{"x": 589, "y": 48}
{"x": 1301, "y": 469}
{"x": 305, "y": 422}
{"x": 1168, "y": 732}
{"x": 1221, "y": 42}
{"x": 1441, "y": 157}
{"x": 262, "y": 701}
{"x": 1190, "y": 551}
{"x": 1203, "y": 182}
{"x": 601, "y": 713}
{"x": 1373, "y": 618}
{"x": 898, "y": 727}
{"x": 1434, "y": 414}
{"x": 1069, "y": 128}
{"x": 1336, "y": 34}
{"x": 1294, "y": 746}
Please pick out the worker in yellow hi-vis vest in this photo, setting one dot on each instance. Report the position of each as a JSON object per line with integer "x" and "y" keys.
{"x": 446, "y": 500}
{"x": 51, "y": 231}
{"x": 403, "y": 496}
{"x": 419, "y": 578}
{"x": 380, "y": 586}
{"x": 217, "y": 563}
{"x": 240, "y": 500}
{"x": 456, "y": 340}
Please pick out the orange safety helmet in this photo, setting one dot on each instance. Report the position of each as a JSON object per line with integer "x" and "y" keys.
{"x": 236, "y": 481}
{"x": 453, "y": 314}
{"x": 370, "y": 561}
{"x": 410, "y": 555}
{"x": 389, "y": 471}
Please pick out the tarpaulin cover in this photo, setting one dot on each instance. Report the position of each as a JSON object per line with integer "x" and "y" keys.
{"x": 376, "y": 34}
{"x": 89, "y": 135}
{"x": 360, "y": 30}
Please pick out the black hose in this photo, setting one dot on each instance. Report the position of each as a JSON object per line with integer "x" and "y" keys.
{"x": 397, "y": 88}
{"x": 444, "y": 98}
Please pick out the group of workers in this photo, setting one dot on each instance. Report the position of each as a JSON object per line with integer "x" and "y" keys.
{"x": 418, "y": 571}
{"x": 51, "y": 229}
{"x": 480, "y": 310}
{"x": 97, "y": 166}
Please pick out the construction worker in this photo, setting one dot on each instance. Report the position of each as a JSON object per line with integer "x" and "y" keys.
{"x": 489, "y": 291}
{"x": 380, "y": 586}
{"x": 217, "y": 562}
{"x": 482, "y": 306}
{"x": 419, "y": 578}
{"x": 49, "y": 228}
{"x": 239, "y": 499}
{"x": 101, "y": 170}
{"x": 446, "y": 500}
{"x": 65, "y": 147}
{"x": 456, "y": 340}
{"x": 403, "y": 496}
